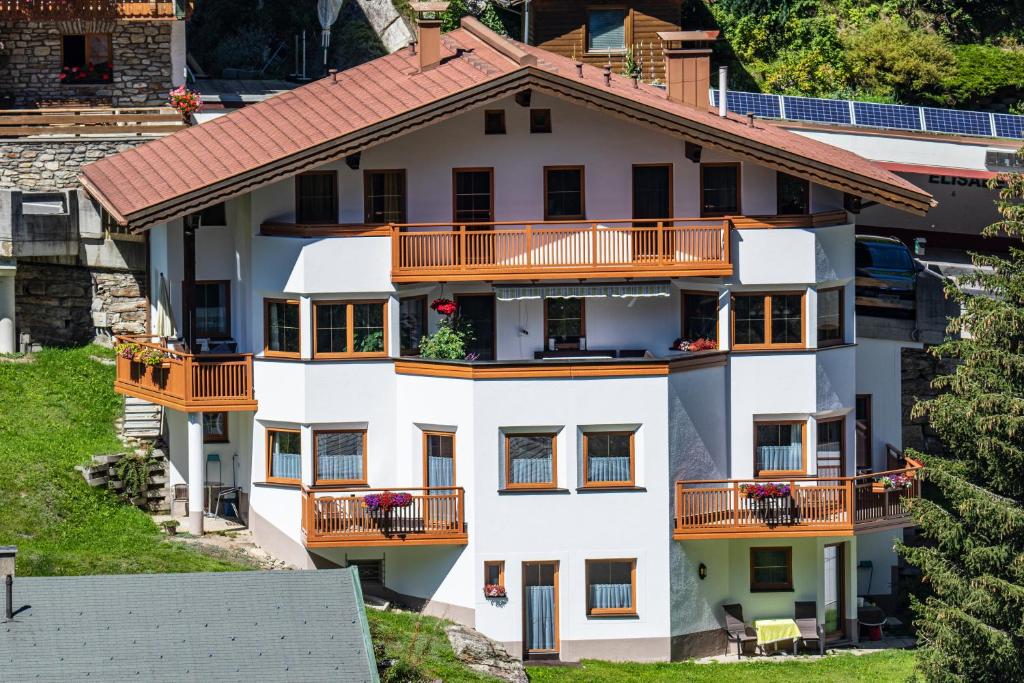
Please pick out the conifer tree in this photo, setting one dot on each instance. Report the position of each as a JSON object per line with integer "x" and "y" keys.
{"x": 971, "y": 624}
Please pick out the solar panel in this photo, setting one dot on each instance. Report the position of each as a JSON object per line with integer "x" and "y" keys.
{"x": 1008, "y": 126}
{"x": 896, "y": 116}
{"x": 815, "y": 109}
{"x": 960, "y": 122}
{"x": 761, "y": 105}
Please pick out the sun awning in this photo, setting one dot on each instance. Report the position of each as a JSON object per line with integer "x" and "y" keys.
{"x": 618, "y": 291}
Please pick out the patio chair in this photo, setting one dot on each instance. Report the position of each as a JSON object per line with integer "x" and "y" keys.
{"x": 806, "y": 614}
{"x": 736, "y": 629}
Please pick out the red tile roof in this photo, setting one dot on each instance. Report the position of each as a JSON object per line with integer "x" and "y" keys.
{"x": 389, "y": 96}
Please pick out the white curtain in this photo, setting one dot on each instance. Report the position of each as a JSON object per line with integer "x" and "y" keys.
{"x": 611, "y": 595}
{"x": 608, "y": 468}
{"x": 540, "y": 617}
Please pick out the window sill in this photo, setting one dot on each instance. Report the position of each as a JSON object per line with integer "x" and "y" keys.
{"x": 350, "y": 357}
{"x": 781, "y": 474}
{"x": 324, "y": 485}
{"x": 611, "y": 489}
{"x": 278, "y": 484}
{"x": 532, "y": 491}
{"x": 620, "y": 51}
{"x": 771, "y": 590}
{"x": 613, "y": 615}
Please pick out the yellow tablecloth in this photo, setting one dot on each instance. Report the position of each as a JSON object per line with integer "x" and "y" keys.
{"x": 774, "y": 630}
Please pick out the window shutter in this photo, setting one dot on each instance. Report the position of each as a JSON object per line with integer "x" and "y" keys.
{"x": 606, "y": 30}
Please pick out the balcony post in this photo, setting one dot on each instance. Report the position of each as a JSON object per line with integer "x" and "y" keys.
{"x": 7, "y": 337}
{"x": 196, "y": 474}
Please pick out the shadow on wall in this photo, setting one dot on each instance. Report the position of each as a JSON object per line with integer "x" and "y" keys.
{"x": 53, "y": 304}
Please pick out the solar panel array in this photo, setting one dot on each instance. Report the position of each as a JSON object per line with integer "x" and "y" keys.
{"x": 872, "y": 115}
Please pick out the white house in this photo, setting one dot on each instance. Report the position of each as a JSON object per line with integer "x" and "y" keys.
{"x": 582, "y": 223}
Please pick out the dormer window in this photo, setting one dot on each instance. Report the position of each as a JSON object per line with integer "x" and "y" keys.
{"x": 606, "y": 30}
{"x": 86, "y": 59}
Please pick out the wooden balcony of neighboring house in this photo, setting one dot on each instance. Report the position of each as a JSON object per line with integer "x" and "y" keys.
{"x": 83, "y": 122}
{"x": 339, "y": 517}
{"x": 163, "y": 374}
{"x": 837, "y": 506}
{"x": 61, "y": 10}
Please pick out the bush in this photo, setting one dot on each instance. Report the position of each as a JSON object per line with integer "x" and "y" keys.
{"x": 984, "y": 72}
{"x": 447, "y": 343}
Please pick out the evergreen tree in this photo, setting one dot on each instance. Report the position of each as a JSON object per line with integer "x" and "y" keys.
{"x": 971, "y": 625}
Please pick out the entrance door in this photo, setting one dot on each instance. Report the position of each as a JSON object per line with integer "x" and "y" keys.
{"x": 835, "y": 621}
{"x": 652, "y": 199}
{"x": 439, "y": 471}
{"x": 478, "y": 311}
{"x": 540, "y": 608}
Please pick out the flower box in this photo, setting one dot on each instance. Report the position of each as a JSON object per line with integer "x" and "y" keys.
{"x": 894, "y": 482}
{"x": 384, "y": 502}
{"x": 494, "y": 590}
{"x": 763, "y": 491}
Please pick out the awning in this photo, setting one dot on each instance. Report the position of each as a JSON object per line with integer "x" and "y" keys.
{"x": 618, "y": 291}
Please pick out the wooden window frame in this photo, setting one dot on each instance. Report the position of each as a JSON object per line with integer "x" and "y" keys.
{"x": 455, "y": 195}
{"x": 217, "y": 438}
{"x": 632, "y": 461}
{"x": 270, "y": 456}
{"x": 841, "y": 419}
{"x": 334, "y": 197}
{"x": 509, "y": 484}
{"x": 556, "y": 564}
{"x": 774, "y": 474}
{"x": 316, "y": 466}
{"x": 227, "y": 308}
{"x": 768, "y": 344}
{"x": 369, "y": 173}
{"x": 842, "y": 318}
{"x": 422, "y": 299}
{"x": 267, "y": 352}
{"x": 627, "y": 29}
{"x": 583, "y": 193}
{"x": 583, "y": 324}
{"x": 488, "y": 113}
{"x": 427, "y": 433}
{"x": 671, "y": 189}
{"x": 500, "y": 564}
{"x": 772, "y": 587}
{"x": 806, "y": 195}
{"x": 540, "y": 121}
{"x": 739, "y": 189}
{"x": 682, "y": 312}
{"x": 349, "y": 305}
{"x": 611, "y": 612}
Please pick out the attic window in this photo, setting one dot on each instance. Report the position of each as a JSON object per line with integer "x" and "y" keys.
{"x": 494, "y": 122}
{"x": 540, "y": 120}
{"x": 606, "y": 30}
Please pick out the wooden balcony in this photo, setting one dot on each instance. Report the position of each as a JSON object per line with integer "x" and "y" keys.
{"x": 86, "y": 121}
{"x": 428, "y": 252}
{"x": 188, "y": 382}
{"x": 839, "y": 506}
{"x": 60, "y": 10}
{"x": 336, "y": 517}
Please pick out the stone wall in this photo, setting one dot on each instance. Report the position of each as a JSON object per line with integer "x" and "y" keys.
{"x": 38, "y": 165}
{"x": 31, "y": 65}
{"x": 919, "y": 369}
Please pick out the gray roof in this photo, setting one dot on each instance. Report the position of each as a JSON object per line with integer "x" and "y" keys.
{"x": 252, "y": 626}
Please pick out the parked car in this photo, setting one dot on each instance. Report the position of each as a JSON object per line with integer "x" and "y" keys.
{"x": 886, "y": 277}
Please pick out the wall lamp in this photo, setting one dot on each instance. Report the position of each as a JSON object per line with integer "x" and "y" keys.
{"x": 702, "y": 571}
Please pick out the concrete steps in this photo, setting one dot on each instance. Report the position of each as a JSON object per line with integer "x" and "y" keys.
{"x": 142, "y": 419}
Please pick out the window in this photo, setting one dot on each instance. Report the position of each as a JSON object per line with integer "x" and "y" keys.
{"x": 213, "y": 309}
{"x": 791, "y": 195}
{"x": 608, "y": 459}
{"x": 281, "y": 328}
{"x": 830, "y": 316}
{"x": 611, "y": 587}
{"x": 719, "y": 189}
{"x": 864, "y": 445}
{"x": 353, "y": 329}
{"x": 473, "y": 195}
{"x": 86, "y": 59}
{"x": 540, "y": 120}
{"x": 530, "y": 460}
{"x": 494, "y": 573}
{"x": 384, "y": 196}
{"x": 316, "y": 197}
{"x": 339, "y": 456}
{"x": 494, "y": 122}
{"x": 771, "y": 569}
{"x": 412, "y": 323}
{"x": 700, "y": 315}
{"x": 563, "y": 192}
{"x": 768, "y": 320}
{"x": 606, "y": 30}
{"x": 284, "y": 456}
{"x": 830, "y": 448}
{"x": 779, "y": 448}
{"x": 439, "y": 458}
{"x": 564, "y": 322}
{"x": 215, "y": 215}
{"x": 215, "y": 427}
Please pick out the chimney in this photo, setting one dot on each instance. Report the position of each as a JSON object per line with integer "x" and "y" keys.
{"x": 7, "y": 555}
{"x": 428, "y": 24}
{"x": 688, "y": 66}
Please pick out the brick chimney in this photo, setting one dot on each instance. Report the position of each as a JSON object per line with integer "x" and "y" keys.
{"x": 688, "y": 66}
{"x": 428, "y": 25}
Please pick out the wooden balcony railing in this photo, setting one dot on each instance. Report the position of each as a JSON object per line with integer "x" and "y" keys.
{"x": 815, "y": 507}
{"x": 89, "y": 121}
{"x": 560, "y": 249}
{"x": 188, "y": 382}
{"x": 333, "y": 517}
{"x": 58, "y": 10}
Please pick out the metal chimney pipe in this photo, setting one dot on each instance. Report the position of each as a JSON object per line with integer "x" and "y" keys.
{"x": 9, "y": 602}
{"x": 723, "y": 90}
{"x": 8, "y": 553}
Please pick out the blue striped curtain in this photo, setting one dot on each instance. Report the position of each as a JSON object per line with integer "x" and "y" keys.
{"x": 540, "y": 617}
{"x": 440, "y": 471}
{"x": 286, "y": 465}
{"x": 781, "y": 457}
{"x": 608, "y": 468}
{"x": 611, "y": 595}
{"x": 339, "y": 455}
{"x": 531, "y": 470}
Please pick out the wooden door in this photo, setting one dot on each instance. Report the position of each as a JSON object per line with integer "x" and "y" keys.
{"x": 478, "y": 310}
{"x": 540, "y": 608}
{"x": 652, "y": 199}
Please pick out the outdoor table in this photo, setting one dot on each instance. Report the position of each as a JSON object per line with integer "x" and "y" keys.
{"x": 775, "y": 630}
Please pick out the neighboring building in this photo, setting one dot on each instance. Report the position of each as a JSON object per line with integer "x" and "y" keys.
{"x": 582, "y": 222}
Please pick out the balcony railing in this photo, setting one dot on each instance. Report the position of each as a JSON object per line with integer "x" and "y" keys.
{"x": 185, "y": 381}
{"x": 815, "y": 507}
{"x": 333, "y": 517}
{"x": 560, "y": 249}
{"x": 57, "y": 10}
{"x": 126, "y": 121}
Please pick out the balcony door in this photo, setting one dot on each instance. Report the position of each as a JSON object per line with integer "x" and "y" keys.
{"x": 540, "y": 609}
{"x": 472, "y": 204}
{"x": 652, "y": 200}
{"x": 478, "y": 311}
{"x": 439, "y": 472}
{"x": 835, "y": 619}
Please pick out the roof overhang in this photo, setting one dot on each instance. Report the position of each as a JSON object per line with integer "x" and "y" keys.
{"x": 937, "y": 170}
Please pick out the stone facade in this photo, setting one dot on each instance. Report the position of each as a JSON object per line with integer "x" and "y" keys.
{"x": 30, "y": 63}
{"x": 36, "y": 165}
{"x": 920, "y": 367}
